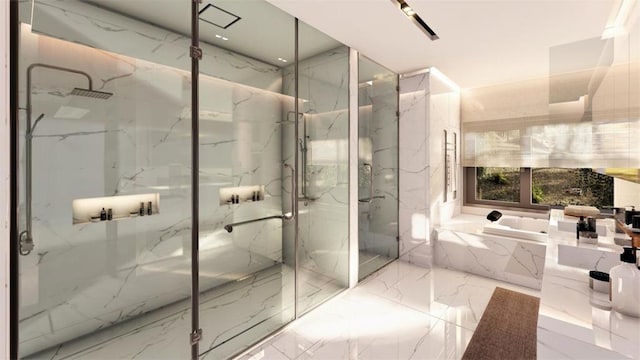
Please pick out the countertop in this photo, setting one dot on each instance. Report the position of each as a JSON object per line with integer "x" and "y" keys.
{"x": 574, "y": 321}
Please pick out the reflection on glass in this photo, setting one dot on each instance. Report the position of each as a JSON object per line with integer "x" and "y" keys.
{"x": 128, "y": 268}
{"x": 322, "y": 146}
{"x": 377, "y": 166}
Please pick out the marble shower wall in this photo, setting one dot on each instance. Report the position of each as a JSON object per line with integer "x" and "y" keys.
{"x": 86, "y": 277}
{"x": 84, "y": 23}
{"x": 323, "y": 219}
{"x": 427, "y": 108}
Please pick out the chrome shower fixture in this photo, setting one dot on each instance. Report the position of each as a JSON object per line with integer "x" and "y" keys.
{"x": 95, "y": 94}
{"x": 25, "y": 239}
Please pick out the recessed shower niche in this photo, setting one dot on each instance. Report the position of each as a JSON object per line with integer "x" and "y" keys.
{"x": 114, "y": 207}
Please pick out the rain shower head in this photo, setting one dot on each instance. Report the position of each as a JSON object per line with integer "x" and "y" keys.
{"x": 91, "y": 93}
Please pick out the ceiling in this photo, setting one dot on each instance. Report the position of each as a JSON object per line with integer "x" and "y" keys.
{"x": 263, "y": 31}
{"x": 481, "y": 42}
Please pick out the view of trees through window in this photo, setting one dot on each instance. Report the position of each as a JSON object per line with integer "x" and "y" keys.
{"x": 562, "y": 187}
{"x": 549, "y": 186}
{"x": 498, "y": 183}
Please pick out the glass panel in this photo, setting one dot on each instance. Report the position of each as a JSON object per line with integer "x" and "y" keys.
{"x": 107, "y": 156}
{"x": 377, "y": 166}
{"x": 562, "y": 187}
{"x": 499, "y": 184}
{"x": 322, "y": 147}
{"x": 246, "y": 287}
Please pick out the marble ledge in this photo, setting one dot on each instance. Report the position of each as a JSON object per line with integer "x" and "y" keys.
{"x": 570, "y": 310}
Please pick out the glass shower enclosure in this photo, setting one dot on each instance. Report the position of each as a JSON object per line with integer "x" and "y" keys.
{"x": 377, "y": 166}
{"x": 105, "y": 163}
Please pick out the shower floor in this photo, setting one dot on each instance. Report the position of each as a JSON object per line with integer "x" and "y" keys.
{"x": 232, "y": 317}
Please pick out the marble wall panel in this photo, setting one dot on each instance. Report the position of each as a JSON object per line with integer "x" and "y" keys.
{"x": 414, "y": 222}
{"x": 85, "y": 277}
{"x": 428, "y": 107}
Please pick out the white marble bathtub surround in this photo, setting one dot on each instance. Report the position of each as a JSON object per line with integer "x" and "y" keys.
{"x": 90, "y": 276}
{"x": 428, "y": 107}
{"x": 462, "y": 245}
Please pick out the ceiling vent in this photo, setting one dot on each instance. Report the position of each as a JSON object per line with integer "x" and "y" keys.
{"x": 218, "y": 17}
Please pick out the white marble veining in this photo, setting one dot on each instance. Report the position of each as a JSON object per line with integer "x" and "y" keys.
{"x": 250, "y": 308}
{"x": 427, "y": 109}
{"x": 462, "y": 245}
{"x": 400, "y": 312}
{"x": 414, "y": 180}
{"x": 87, "y": 24}
{"x": 571, "y": 311}
{"x": 86, "y": 277}
{"x": 323, "y": 134}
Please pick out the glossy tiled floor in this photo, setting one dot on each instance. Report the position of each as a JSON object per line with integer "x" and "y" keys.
{"x": 401, "y": 312}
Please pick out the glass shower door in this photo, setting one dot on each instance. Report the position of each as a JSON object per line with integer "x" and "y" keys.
{"x": 246, "y": 281}
{"x": 322, "y": 147}
{"x": 377, "y": 166}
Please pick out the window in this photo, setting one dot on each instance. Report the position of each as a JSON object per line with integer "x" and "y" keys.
{"x": 498, "y": 184}
{"x": 562, "y": 187}
{"x": 537, "y": 188}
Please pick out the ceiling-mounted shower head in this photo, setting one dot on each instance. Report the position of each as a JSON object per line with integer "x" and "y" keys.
{"x": 91, "y": 93}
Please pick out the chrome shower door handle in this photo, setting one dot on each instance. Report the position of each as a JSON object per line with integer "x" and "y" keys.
{"x": 294, "y": 191}
{"x": 370, "y": 167}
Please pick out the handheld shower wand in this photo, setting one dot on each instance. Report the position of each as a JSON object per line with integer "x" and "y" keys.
{"x": 26, "y": 236}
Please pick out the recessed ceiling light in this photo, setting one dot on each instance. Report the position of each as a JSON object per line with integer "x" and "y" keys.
{"x": 283, "y": 60}
{"x": 222, "y": 37}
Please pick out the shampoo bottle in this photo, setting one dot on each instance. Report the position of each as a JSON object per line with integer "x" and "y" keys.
{"x": 625, "y": 284}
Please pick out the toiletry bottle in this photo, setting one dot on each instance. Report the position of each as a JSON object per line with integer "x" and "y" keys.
{"x": 149, "y": 208}
{"x": 580, "y": 226}
{"x": 109, "y": 214}
{"x": 625, "y": 284}
{"x": 103, "y": 215}
{"x": 141, "y": 210}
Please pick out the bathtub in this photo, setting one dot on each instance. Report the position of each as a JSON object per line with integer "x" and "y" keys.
{"x": 520, "y": 228}
{"x": 512, "y": 249}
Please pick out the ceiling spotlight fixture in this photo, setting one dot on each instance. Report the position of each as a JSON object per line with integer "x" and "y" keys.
{"x": 222, "y": 37}
{"x": 407, "y": 9}
{"x": 283, "y": 60}
{"x": 415, "y": 18}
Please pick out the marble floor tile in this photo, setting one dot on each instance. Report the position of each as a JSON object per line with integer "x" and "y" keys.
{"x": 400, "y": 312}
{"x": 451, "y": 295}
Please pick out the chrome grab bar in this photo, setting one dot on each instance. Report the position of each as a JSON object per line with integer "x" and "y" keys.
{"x": 369, "y": 199}
{"x": 287, "y": 216}
{"x": 294, "y": 192}
{"x": 229, "y": 227}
